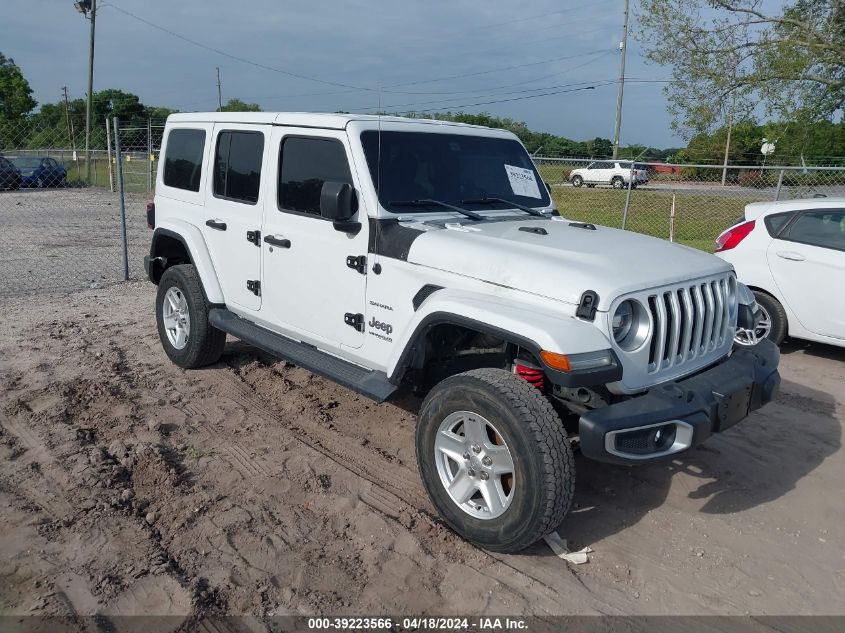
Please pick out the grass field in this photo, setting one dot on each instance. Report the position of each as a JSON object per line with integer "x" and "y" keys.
{"x": 699, "y": 217}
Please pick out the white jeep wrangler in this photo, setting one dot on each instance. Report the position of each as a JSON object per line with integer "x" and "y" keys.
{"x": 387, "y": 252}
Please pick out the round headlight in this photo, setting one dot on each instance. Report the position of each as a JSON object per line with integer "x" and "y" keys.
{"x": 623, "y": 319}
{"x": 631, "y": 325}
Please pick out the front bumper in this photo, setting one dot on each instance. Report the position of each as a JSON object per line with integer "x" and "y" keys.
{"x": 675, "y": 416}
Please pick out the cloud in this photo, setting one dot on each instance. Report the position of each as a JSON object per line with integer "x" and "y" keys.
{"x": 357, "y": 43}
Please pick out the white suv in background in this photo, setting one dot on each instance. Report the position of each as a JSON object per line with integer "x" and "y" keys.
{"x": 792, "y": 255}
{"x": 617, "y": 174}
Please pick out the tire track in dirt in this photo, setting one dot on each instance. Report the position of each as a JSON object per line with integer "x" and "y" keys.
{"x": 39, "y": 484}
{"x": 395, "y": 492}
{"x": 392, "y": 499}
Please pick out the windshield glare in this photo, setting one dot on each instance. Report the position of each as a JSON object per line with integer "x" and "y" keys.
{"x": 450, "y": 168}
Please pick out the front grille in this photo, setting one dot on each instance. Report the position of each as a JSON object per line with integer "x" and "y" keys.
{"x": 690, "y": 321}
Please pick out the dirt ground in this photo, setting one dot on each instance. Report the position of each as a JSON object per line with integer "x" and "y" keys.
{"x": 129, "y": 486}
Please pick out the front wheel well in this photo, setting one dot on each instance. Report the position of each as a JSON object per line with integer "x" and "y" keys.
{"x": 445, "y": 348}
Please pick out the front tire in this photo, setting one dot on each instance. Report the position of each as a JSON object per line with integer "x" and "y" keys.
{"x": 495, "y": 459}
{"x": 774, "y": 324}
{"x": 187, "y": 337}
{"x": 577, "y": 181}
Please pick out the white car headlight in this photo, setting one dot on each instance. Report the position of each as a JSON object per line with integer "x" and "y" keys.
{"x": 630, "y": 324}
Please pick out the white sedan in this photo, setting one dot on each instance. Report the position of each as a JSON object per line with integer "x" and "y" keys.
{"x": 791, "y": 254}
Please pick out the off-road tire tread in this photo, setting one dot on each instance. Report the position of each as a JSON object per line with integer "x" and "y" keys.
{"x": 208, "y": 345}
{"x": 544, "y": 424}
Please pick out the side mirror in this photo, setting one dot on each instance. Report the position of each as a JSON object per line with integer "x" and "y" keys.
{"x": 338, "y": 204}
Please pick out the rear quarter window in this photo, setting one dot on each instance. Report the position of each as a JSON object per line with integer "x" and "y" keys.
{"x": 183, "y": 159}
{"x": 776, "y": 222}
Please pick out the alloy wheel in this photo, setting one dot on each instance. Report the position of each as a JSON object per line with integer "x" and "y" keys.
{"x": 475, "y": 465}
{"x": 177, "y": 320}
{"x": 748, "y": 337}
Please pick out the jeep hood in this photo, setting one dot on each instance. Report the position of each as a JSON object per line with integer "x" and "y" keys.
{"x": 564, "y": 262}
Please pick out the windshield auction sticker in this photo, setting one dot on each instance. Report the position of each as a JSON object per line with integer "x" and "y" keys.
{"x": 523, "y": 182}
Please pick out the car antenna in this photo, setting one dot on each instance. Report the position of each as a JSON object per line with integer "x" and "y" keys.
{"x": 377, "y": 223}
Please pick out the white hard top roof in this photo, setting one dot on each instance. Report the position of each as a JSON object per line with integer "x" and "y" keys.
{"x": 335, "y": 121}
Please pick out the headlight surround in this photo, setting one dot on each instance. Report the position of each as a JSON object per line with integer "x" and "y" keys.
{"x": 622, "y": 320}
{"x": 630, "y": 325}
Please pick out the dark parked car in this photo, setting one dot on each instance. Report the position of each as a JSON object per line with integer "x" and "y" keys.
{"x": 10, "y": 176}
{"x": 41, "y": 172}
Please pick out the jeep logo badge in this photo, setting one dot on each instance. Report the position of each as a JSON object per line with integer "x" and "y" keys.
{"x": 378, "y": 325}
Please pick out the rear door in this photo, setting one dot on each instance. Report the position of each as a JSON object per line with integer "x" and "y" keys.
{"x": 308, "y": 285}
{"x": 807, "y": 261}
{"x": 232, "y": 217}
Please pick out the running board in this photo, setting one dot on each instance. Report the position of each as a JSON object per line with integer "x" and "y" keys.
{"x": 373, "y": 384}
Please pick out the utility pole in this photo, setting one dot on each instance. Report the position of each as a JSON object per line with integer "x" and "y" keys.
{"x": 728, "y": 141}
{"x": 86, "y": 7}
{"x": 70, "y": 133}
{"x": 623, "y": 48}
{"x": 219, "y": 92}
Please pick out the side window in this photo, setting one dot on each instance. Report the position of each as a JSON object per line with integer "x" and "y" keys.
{"x": 776, "y": 222}
{"x": 183, "y": 159}
{"x": 819, "y": 228}
{"x": 306, "y": 163}
{"x": 237, "y": 165}
{"x": 593, "y": 166}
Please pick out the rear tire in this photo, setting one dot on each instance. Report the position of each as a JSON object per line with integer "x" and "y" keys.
{"x": 535, "y": 486}
{"x": 777, "y": 316}
{"x": 199, "y": 345}
{"x": 617, "y": 182}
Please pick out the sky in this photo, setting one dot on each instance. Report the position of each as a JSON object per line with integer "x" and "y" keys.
{"x": 351, "y": 55}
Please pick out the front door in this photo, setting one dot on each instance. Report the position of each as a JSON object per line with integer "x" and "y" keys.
{"x": 232, "y": 213}
{"x": 808, "y": 263}
{"x": 307, "y": 283}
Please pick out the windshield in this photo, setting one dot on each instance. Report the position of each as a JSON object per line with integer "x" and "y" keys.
{"x": 450, "y": 168}
{"x": 28, "y": 163}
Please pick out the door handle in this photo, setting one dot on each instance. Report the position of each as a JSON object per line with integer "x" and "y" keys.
{"x": 791, "y": 256}
{"x": 281, "y": 242}
{"x": 216, "y": 225}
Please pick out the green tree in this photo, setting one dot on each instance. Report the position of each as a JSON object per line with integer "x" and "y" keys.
{"x": 236, "y": 105}
{"x": 15, "y": 92}
{"x": 726, "y": 56}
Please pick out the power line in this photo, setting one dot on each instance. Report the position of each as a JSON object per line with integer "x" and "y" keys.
{"x": 494, "y": 70}
{"x": 482, "y": 103}
{"x": 243, "y": 60}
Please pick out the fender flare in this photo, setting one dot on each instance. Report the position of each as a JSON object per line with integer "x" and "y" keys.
{"x": 194, "y": 243}
{"x": 526, "y": 326}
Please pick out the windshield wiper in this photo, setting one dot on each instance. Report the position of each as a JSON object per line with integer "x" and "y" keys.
{"x": 521, "y": 207}
{"x": 425, "y": 202}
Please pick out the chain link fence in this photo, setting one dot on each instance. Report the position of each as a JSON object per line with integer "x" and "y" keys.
{"x": 690, "y": 204}
{"x": 60, "y": 211}
{"x": 63, "y": 228}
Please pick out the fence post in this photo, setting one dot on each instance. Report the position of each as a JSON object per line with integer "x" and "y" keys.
{"x": 672, "y": 220}
{"x": 121, "y": 199}
{"x": 628, "y": 197}
{"x": 150, "y": 150}
{"x": 780, "y": 184}
{"x": 108, "y": 147}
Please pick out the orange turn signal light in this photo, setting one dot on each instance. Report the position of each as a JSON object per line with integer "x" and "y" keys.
{"x": 557, "y": 361}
